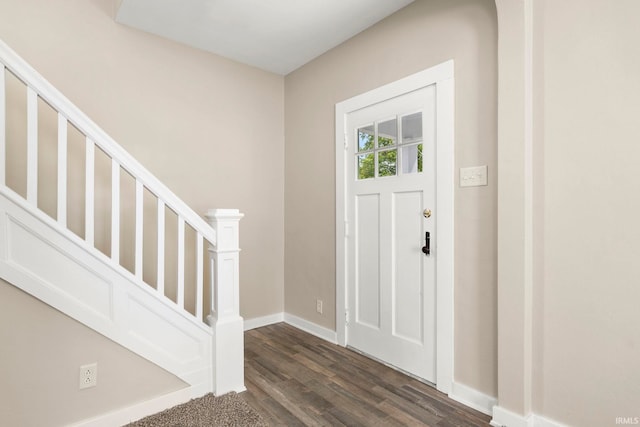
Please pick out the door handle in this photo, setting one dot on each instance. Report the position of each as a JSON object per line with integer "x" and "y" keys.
{"x": 426, "y": 249}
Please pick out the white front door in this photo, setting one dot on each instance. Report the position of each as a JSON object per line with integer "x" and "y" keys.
{"x": 391, "y": 207}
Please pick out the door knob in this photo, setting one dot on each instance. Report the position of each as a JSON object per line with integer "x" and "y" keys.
{"x": 426, "y": 249}
{"x": 427, "y": 213}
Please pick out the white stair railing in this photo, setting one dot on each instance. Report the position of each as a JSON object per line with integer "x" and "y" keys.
{"x": 220, "y": 234}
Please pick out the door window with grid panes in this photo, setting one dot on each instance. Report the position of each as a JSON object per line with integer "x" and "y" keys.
{"x": 390, "y": 146}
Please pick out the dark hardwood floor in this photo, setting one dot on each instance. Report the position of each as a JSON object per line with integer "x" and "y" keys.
{"x": 296, "y": 379}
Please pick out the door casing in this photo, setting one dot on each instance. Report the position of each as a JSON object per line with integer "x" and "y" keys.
{"x": 442, "y": 75}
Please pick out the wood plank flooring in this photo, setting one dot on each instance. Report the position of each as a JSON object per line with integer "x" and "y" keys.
{"x": 296, "y": 379}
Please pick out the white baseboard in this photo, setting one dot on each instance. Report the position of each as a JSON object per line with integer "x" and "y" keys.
{"x": 505, "y": 418}
{"x": 298, "y": 322}
{"x": 539, "y": 421}
{"x": 258, "y": 322}
{"x": 473, "y": 398}
{"x": 312, "y": 328}
{"x": 139, "y": 410}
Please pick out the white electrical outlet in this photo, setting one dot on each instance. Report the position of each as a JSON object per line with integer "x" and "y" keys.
{"x": 473, "y": 176}
{"x": 88, "y": 375}
{"x": 319, "y": 306}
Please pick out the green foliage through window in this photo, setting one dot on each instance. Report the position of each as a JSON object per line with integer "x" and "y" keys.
{"x": 387, "y": 161}
{"x": 366, "y": 166}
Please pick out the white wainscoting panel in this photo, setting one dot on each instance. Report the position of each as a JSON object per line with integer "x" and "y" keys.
{"x": 176, "y": 343}
{"x": 58, "y": 268}
{"x": 34, "y": 255}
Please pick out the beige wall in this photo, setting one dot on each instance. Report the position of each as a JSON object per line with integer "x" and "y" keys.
{"x": 424, "y": 34}
{"x": 41, "y": 357}
{"x": 576, "y": 272}
{"x": 591, "y": 339}
{"x": 513, "y": 297}
{"x": 211, "y": 129}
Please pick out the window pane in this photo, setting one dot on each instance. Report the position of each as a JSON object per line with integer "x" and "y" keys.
{"x": 387, "y": 162}
{"x": 366, "y": 164}
{"x": 387, "y": 133}
{"x": 412, "y": 128}
{"x": 412, "y": 158}
{"x": 365, "y": 138}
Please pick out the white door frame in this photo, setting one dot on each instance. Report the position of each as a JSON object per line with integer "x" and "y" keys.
{"x": 443, "y": 76}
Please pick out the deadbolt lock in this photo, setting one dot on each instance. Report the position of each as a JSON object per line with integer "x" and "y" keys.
{"x": 427, "y": 213}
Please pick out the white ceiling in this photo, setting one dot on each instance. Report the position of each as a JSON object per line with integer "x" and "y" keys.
{"x": 274, "y": 35}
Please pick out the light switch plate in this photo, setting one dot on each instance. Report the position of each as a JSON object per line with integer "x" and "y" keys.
{"x": 473, "y": 176}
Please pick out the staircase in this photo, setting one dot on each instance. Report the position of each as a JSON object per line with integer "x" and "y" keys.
{"x": 138, "y": 266}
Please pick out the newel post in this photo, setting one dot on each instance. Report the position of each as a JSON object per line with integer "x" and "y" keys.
{"x": 225, "y": 320}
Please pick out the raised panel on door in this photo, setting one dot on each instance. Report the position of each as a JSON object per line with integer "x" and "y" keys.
{"x": 407, "y": 305}
{"x": 367, "y": 286}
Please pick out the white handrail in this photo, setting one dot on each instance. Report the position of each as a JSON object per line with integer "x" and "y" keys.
{"x": 38, "y": 87}
{"x": 84, "y": 124}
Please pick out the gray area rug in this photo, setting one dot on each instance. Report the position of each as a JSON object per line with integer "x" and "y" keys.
{"x": 208, "y": 410}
